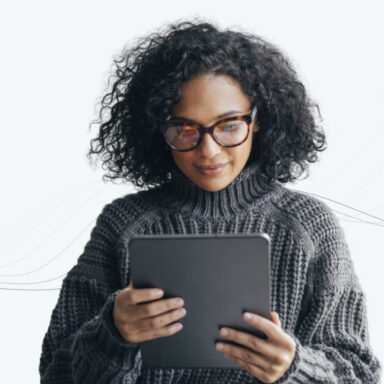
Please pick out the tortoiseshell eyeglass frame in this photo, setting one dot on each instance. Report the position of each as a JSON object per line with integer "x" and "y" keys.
{"x": 248, "y": 118}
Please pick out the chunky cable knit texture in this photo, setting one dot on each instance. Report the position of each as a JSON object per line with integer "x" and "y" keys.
{"x": 315, "y": 289}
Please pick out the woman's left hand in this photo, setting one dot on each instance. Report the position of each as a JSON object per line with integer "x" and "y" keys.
{"x": 267, "y": 360}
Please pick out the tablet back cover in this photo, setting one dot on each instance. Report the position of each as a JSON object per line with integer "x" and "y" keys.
{"x": 219, "y": 276}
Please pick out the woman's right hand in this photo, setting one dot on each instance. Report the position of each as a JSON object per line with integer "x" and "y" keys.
{"x": 138, "y": 322}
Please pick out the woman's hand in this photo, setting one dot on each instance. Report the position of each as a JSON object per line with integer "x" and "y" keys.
{"x": 139, "y": 321}
{"x": 267, "y": 360}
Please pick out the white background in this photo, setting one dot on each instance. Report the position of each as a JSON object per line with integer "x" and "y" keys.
{"x": 55, "y": 60}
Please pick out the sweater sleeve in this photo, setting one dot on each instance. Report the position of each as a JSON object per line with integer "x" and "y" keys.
{"x": 82, "y": 344}
{"x": 332, "y": 341}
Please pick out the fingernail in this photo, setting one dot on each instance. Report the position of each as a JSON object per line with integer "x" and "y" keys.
{"x": 177, "y": 326}
{"x": 219, "y": 346}
{"x": 180, "y": 302}
{"x": 247, "y": 315}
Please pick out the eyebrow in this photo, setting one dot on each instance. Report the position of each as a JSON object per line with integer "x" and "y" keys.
{"x": 222, "y": 115}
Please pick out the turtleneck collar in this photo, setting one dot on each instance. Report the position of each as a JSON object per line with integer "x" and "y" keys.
{"x": 250, "y": 187}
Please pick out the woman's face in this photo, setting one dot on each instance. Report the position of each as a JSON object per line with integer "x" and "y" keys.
{"x": 203, "y": 99}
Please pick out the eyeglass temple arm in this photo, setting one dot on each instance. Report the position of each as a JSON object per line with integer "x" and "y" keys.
{"x": 254, "y": 111}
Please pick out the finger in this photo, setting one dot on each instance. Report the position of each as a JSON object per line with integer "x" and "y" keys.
{"x": 140, "y": 295}
{"x": 244, "y": 354}
{"x": 254, "y": 343}
{"x": 161, "y": 321}
{"x": 254, "y": 370}
{"x": 146, "y": 335}
{"x": 158, "y": 307}
{"x": 273, "y": 332}
{"x": 276, "y": 319}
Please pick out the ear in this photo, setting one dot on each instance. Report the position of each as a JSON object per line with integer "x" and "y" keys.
{"x": 255, "y": 127}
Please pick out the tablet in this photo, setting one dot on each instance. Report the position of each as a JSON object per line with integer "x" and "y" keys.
{"x": 219, "y": 276}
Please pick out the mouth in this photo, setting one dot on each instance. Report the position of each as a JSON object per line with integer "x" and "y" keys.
{"x": 211, "y": 169}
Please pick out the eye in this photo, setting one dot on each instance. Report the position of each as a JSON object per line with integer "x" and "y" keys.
{"x": 188, "y": 130}
{"x": 180, "y": 128}
{"x": 229, "y": 126}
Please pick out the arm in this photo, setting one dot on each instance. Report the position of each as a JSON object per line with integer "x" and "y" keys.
{"x": 332, "y": 341}
{"x": 82, "y": 345}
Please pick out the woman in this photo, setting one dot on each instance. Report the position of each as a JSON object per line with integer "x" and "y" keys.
{"x": 211, "y": 123}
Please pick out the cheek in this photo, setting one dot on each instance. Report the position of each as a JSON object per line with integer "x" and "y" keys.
{"x": 182, "y": 159}
{"x": 243, "y": 152}
{"x": 241, "y": 156}
{"x": 249, "y": 146}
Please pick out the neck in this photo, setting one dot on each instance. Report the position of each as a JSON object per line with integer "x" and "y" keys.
{"x": 250, "y": 187}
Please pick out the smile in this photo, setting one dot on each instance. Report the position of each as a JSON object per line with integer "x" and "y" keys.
{"x": 212, "y": 171}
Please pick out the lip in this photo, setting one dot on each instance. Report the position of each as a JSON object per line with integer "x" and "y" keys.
{"x": 212, "y": 170}
{"x": 211, "y": 167}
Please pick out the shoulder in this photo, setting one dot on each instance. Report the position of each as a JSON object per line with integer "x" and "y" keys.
{"x": 125, "y": 209}
{"x": 331, "y": 251}
{"x": 307, "y": 213}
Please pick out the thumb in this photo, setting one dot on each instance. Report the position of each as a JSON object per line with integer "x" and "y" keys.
{"x": 276, "y": 319}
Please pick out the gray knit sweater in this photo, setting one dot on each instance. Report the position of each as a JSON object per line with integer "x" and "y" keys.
{"x": 314, "y": 287}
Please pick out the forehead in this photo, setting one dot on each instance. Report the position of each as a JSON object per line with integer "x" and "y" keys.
{"x": 208, "y": 96}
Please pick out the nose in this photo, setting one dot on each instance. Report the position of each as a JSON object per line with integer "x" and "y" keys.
{"x": 208, "y": 146}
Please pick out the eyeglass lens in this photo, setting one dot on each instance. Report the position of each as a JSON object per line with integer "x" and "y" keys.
{"x": 183, "y": 136}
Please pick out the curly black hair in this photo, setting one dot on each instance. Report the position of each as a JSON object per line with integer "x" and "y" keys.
{"x": 147, "y": 80}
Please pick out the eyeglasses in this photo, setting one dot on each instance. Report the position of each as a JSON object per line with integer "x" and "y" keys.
{"x": 184, "y": 135}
